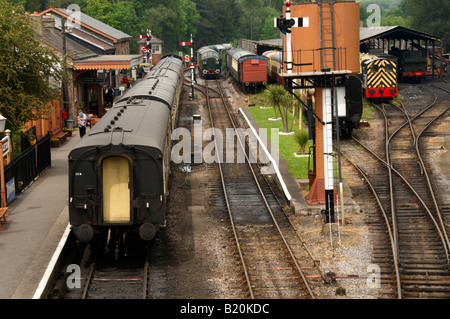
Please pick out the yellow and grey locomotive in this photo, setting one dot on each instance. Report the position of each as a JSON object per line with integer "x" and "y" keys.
{"x": 379, "y": 74}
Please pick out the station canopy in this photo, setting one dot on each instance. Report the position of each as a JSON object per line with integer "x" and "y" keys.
{"x": 108, "y": 62}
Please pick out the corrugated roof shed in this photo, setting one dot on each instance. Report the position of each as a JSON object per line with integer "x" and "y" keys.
{"x": 393, "y": 32}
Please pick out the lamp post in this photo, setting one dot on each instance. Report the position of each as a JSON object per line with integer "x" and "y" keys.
{"x": 2, "y": 170}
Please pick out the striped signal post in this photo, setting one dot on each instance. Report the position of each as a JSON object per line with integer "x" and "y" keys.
{"x": 147, "y": 50}
{"x": 143, "y": 49}
{"x": 191, "y": 65}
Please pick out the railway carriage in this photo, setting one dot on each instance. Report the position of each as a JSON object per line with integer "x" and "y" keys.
{"x": 246, "y": 67}
{"x": 209, "y": 62}
{"x": 274, "y": 65}
{"x": 118, "y": 172}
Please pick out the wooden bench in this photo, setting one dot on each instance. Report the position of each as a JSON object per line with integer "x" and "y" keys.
{"x": 58, "y": 134}
{"x": 3, "y": 216}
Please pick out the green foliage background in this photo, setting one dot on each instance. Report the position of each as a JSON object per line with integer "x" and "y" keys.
{"x": 225, "y": 21}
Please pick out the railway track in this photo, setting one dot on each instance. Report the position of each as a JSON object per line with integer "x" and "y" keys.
{"x": 100, "y": 276}
{"x": 413, "y": 222}
{"x": 274, "y": 260}
{"x": 112, "y": 282}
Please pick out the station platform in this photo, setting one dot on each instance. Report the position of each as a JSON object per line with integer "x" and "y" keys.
{"x": 38, "y": 224}
{"x": 37, "y": 220}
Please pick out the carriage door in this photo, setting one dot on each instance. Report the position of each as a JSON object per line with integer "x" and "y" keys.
{"x": 116, "y": 191}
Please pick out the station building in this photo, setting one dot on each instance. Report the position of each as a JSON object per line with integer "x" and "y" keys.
{"x": 97, "y": 53}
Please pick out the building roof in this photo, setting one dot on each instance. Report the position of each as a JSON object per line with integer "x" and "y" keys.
{"x": 90, "y": 23}
{"x": 393, "y": 32}
{"x": 52, "y": 37}
{"x": 81, "y": 35}
{"x": 75, "y": 50}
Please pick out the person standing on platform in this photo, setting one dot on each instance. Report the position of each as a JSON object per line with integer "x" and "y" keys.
{"x": 106, "y": 95}
{"x": 110, "y": 95}
{"x": 126, "y": 81}
{"x": 82, "y": 119}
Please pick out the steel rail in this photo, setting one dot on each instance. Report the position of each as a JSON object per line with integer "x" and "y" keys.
{"x": 442, "y": 231}
{"x": 88, "y": 281}
{"x": 391, "y": 188}
{"x": 389, "y": 165}
{"x": 410, "y": 187}
{"x": 422, "y": 164}
{"x": 227, "y": 107}
{"x": 438, "y": 210}
{"x": 145, "y": 288}
{"x": 386, "y": 219}
{"x": 208, "y": 103}
{"x": 224, "y": 100}
{"x": 91, "y": 276}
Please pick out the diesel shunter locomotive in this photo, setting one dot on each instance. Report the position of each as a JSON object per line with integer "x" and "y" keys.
{"x": 209, "y": 62}
{"x": 379, "y": 73}
{"x": 118, "y": 172}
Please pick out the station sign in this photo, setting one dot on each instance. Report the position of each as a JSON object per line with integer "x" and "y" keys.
{"x": 5, "y": 145}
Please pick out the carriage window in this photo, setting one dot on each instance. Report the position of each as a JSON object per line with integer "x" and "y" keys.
{"x": 116, "y": 190}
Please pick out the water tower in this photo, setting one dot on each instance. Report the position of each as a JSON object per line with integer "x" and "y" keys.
{"x": 320, "y": 50}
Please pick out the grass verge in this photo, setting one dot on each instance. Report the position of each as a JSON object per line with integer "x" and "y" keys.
{"x": 298, "y": 166}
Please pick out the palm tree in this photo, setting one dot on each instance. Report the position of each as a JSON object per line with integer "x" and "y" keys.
{"x": 273, "y": 96}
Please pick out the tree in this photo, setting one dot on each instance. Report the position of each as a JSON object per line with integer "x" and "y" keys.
{"x": 219, "y": 21}
{"x": 430, "y": 16}
{"x": 269, "y": 31}
{"x": 30, "y": 73}
{"x": 253, "y": 18}
{"x": 161, "y": 21}
{"x": 120, "y": 15}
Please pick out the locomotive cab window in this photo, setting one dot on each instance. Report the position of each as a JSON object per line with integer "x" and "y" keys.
{"x": 116, "y": 191}
{"x": 389, "y": 68}
{"x": 374, "y": 68}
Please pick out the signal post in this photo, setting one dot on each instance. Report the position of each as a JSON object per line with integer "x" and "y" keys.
{"x": 191, "y": 65}
{"x": 320, "y": 49}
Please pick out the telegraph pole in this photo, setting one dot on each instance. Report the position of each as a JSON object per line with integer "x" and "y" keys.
{"x": 192, "y": 66}
{"x": 149, "y": 47}
{"x": 66, "y": 104}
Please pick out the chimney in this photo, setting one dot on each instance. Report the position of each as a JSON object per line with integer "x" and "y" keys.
{"x": 36, "y": 22}
{"x": 48, "y": 22}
